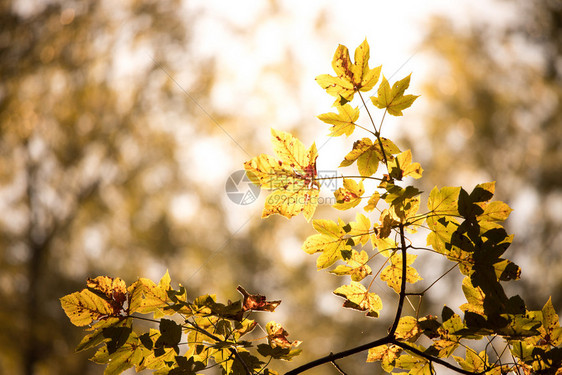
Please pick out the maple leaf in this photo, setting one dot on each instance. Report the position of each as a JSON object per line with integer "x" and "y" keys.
{"x": 474, "y": 296}
{"x": 350, "y": 77}
{"x": 342, "y": 122}
{"x": 359, "y": 298}
{"x": 147, "y": 297}
{"x": 394, "y": 100}
{"x": 85, "y": 307}
{"x": 474, "y": 362}
{"x": 277, "y": 336}
{"x": 349, "y": 195}
{"x": 408, "y": 329}
{"x": 356, "y": 267}
{"x": 369, "y": 155}
{"x": 113, "y": 290}
{"x": 256, "y": 302}
{"x": 331, "y": 241}
{"x": 392, "y": 274}
{"x": 386, "y": 355}
{"x": 401, "y": 166}
{"x": 550, "y": 331}
{"x": 291, "y": 176}
{"x": 128, "y": 355}
{"x": 372, "y": 202}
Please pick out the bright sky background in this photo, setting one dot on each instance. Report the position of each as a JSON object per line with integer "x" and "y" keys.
{"x": 250, "y": 42}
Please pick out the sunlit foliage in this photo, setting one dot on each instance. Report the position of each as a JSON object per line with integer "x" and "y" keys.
{"x": 462, "y": 225}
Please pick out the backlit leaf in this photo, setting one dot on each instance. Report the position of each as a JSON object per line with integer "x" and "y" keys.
{"x": 386, "y": 354}
{"x": 408, "y": 329}
{"x": 474, "y": 362}
{"x": 132, "y": 353}
{"x": 342, "y": 122}
{"x": 359, "y": 298}
{"x": 474, "y": 296}
{"x": 256, "y": 302}
{"x": 147, "y": 297}
{"x": 291, "y": 176}
{"x": 372, "y": 202}
{"x": 350, "y": 77}
{"x": 356, "y": 266}
{"x": 360, "y": 229}
{"x": 277, "y": 336}
{"x": 349, "y": 195}
{"x": 392, "y": 274}
{"x": 368, "y": 155}
{"x": 331, "y": 241}
{"x": 394, "y": 100}
{"x": 401, "y": 166}
{"x": 85, "y": 307}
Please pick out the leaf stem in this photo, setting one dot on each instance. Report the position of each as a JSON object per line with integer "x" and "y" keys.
{"x": 377, "y": 132}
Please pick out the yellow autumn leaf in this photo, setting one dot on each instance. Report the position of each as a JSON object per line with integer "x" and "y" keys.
{"x": 147, "y": 297}
{"x": 356, "y": 267}
{"x": 291, "y": 176}
{"x": 392, "y": 274}
{"x": 393, "y": 99}
{"x": 359, "y": 298}
{"x": 350, "y": 77}
{"x": 349, "y": 195}
{"x": 342, "y": 122}
{"x": 401, "y": 166}
{"x": 85, "y": 307}
{"x": 331, "y": 240}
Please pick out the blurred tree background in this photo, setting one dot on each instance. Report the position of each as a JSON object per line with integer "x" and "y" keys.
{"x": 118, "y": 132}
{"x": 495, "y": 113}
{"x": 113, "y": 162}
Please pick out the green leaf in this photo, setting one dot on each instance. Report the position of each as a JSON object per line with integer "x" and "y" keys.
{"x": 394, "y": 100}
{"x": 342, "y": 122}
{"x": 359, "y": 298}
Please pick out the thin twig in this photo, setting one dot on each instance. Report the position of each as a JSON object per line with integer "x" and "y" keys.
{"x": 338, "y": 368}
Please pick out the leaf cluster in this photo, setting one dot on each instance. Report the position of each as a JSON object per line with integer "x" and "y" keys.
{"x": 187, "y": 336}
{"x": 461, "y": 226}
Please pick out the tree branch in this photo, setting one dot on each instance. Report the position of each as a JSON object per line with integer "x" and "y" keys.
{"x": 402, "y": 296}
{"x": 334, "y": 356}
